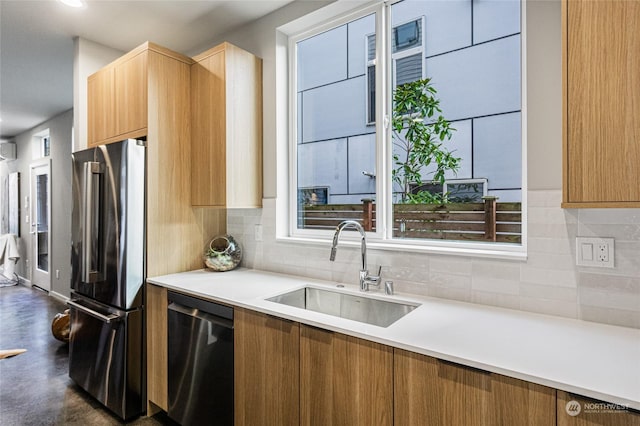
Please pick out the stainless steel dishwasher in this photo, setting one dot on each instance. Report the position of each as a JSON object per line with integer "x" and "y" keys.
{"x": 200, "y": 358}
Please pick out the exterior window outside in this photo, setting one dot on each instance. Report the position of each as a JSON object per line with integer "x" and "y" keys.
{"x": 46, "y": 146}
{"x": 471, "y": 52}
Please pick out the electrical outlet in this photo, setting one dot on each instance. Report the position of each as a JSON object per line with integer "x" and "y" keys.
{"x": 57, "y": 274}
{"x": 603, "y": 252}
{"x": 257, "y": 232}
{"x": 596, "y": 252}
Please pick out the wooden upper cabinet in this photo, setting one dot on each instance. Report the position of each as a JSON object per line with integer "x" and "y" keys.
{"x": 123, "y": 94}
{"x": 601, "y": 111}
{"x": 101, "y": 106}
{"x": 344, "y": 380}
{"x": 226, "y": 128}
{"x": 574, "y": 410}
{"x": 131, "y": 94}
{"x": 434, "y": 392}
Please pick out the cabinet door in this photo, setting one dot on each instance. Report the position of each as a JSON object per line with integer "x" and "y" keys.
{"x": 266, "y": 355}
{"x": 344, "y": 380}
{"x": 602, "y": 89}
{"x": 574, "y": 410}
{"x": 131, "y": 95}
{"x": 156, "y": 306}
{"x": 100, "y": 106}
{"x": 433, "y": 392}
{"x": 226, "y": 123}
{"x": 208, "y": 132}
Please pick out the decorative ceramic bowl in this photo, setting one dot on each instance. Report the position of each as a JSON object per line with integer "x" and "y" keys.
{"x": 60, "y": 327}
{"x": 224, "y": 254}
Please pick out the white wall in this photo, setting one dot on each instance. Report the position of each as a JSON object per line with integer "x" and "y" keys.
{"x": 547, "y": 282}
{"x": 544, "y": 92}
{"x": 60, "y": 133}
{"x": 88, "y": 58}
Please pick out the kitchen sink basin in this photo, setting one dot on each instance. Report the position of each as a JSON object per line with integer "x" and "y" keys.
{"x": 378, "y": 312}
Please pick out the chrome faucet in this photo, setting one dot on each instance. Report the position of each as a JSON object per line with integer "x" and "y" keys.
{"x": 365, "y": 279}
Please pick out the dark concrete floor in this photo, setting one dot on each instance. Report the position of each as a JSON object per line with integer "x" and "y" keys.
{"x": 35, "y": 388}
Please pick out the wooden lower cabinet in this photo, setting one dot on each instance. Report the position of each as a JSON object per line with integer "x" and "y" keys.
{"x": 157, "y": 362}
{"x": 432, "y": 392}
{"x": 289, "y": 374}
{"x": 575, "y": 410}
{"x": 344, "y": 380}
{"x": 267, "y": 370}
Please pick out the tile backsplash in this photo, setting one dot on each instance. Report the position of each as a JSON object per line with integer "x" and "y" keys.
{"x": 548, "y": 282}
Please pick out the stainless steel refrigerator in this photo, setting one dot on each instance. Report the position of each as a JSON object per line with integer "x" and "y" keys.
{"x": 106, "y": 353}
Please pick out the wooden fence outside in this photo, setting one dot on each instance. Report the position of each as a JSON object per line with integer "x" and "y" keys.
{"x": 484, "y": 221}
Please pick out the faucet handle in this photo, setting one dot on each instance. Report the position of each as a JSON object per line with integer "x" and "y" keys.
{"x": 378, "y": 275}
{"x": 375, "y": 279}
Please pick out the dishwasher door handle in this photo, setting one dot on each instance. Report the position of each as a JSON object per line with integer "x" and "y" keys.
{"x": 197, "y": 313}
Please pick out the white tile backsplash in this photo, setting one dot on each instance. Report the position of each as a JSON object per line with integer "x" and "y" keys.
{"x": 450, "y": 265}
{"x": 548, "y": 292}
{"x": 449, "y": 280}
{"x": 549, "y": 306}
{"x": 553, "y": 261}
{"x": 550, "y": 246}
{"x": 536, "y": 275}
{"x": 495, "y": 285}
{"x": 548, "y": 282}
{"x": 503, "y": 270}
{"x": 617, "y": 216}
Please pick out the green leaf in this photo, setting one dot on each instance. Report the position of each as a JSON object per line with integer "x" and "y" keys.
{"x": 422, "y": 142}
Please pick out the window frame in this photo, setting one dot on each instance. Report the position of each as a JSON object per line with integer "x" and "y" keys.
{"x": 367, "y": 64}
{"x": 483, "y": 181}
{"x": 405, "y": 53}
{"x": 38, "y": 139}
{"x": 45, "y": 146}
{"x": 395, "y": 56}
{"x": 382, "y": 238}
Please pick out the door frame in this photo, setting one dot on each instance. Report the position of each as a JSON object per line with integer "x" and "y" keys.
{"x": 38, "y": 277}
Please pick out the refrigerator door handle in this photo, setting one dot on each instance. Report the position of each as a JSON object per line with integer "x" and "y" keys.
{"x": 104, "y": 318}
{"x": 89, "y": 212}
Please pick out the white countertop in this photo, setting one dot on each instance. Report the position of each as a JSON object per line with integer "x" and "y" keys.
{"x": 591, "y": 359}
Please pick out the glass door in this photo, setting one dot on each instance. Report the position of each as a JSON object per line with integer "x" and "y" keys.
{"x": 40, "y": 220}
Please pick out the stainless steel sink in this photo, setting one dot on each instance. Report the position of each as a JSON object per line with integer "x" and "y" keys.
{"x": 378, "y": 312}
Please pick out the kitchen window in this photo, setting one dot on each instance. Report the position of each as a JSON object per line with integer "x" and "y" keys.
{"x": 346, "y": 72}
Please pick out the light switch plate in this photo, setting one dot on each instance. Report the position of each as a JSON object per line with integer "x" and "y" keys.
{"x": 595, "y": 252}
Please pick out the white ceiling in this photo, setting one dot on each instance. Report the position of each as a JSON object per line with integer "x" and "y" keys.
{"x": 36, "y": 43}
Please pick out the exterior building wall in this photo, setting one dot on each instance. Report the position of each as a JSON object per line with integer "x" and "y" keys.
{"x": 472, "y": 55}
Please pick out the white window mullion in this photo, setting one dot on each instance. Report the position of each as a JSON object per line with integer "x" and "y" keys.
{"x": 293, "y": 138}
{"x": 384, "y": 213}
